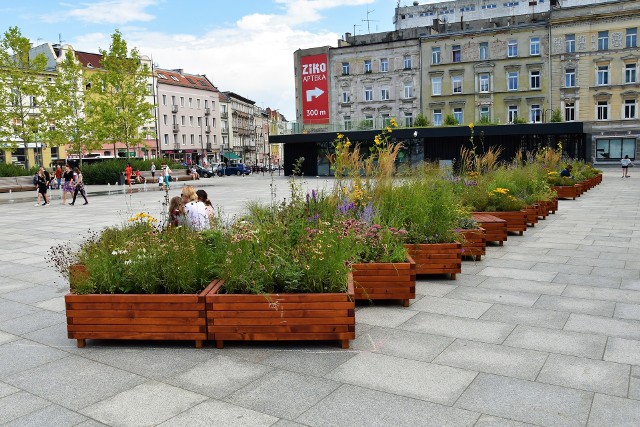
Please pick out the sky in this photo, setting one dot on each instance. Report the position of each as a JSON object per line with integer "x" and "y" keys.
{"x": 243, "y": 46}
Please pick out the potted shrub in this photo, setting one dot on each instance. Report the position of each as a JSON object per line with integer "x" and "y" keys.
{"x": 137, "y": 281}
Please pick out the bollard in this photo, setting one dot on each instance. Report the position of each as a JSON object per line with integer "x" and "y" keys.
{"x": 10, "y": 196}
{"x": 109, "y": 187}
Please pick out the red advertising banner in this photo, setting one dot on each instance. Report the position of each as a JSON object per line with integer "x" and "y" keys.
{"x": 315, "y": 89}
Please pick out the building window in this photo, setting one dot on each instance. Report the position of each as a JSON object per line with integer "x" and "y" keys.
{"x": 512, "y": 48}
{"x": 198, "y": 103}
{"x": 484, "y": 50}
{"x": 615, "y": 148}
{"x": 436, "y": 86}
{"x": 164, "y": 119}
{"x": 173, "y": 100}
{"x": 345, "y": 97}
{"x": 632, "y": 37}
{"x": 570, "y": 77}
{"x": 206, "y": 103}
{"x": 368, "y": 93}
{"x": 368, "y": 121}
{"x": 408, "y": 90}
{"x": 408, "y": 119}
{"x": 437, "y": 117}
{"x": 191, "y": 121}
{"x": 485, "y": 113}
{"x": 534, "y": 46}
{"x": 166, "y": 139}
{"x": 457, "y": 114}
{"x": 512, "y": 113}
{"x": 569, "y": 112}
{"x": 183, "y": 120}
{"x": 484, "y": 82}
{"x": 164, "y": 99}
{"x": 456, "y": 84}
{"x": 347, "y": 122}
{"x": 456, "y": 53}
{"x": 512, "y": 80}
{"x": 384, "y": 65}
{"x": 184, "y": 139}
{"x": 534, "y": 80}
{"x": 407, "y": 62}
{"x": 190, "y": 102}
{"x": 435, "y": 55}
{"x": 630, "y": 73}
{"x": 192, "y": 140}
{"x": 386, "y": 120}
{"x": 629, "y": 108}
{"x": 182, "y": 101}
{"x": 602, "y": 110}
{"x": 345, "y": 68}
{"x": 603, "y": 75}
{"x": 199, "y": 122}
{"x": 367, "y": 66}
{"x": 603, "y": 40}
{"x": 384, "y": 94}
{"x": 535, "y": 114}
{"x": 570, "y": 43}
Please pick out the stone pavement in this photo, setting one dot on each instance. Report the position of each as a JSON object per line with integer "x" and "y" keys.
{"x": 543, "y": 331}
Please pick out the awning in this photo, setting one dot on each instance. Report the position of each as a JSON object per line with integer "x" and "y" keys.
{"x": 231, "y": 156}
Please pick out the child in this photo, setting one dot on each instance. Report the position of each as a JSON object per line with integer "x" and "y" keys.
{"x": 176, "y": 211}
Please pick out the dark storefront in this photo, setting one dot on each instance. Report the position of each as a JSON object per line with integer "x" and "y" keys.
{"x": 440, "y": 143}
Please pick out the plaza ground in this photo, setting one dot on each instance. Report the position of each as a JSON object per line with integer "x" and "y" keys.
{"x": 545, "y": 331}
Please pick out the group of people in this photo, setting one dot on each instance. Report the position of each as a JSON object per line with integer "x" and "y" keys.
{"x": 73, "y": 183}
{"x": 192, "y": 208}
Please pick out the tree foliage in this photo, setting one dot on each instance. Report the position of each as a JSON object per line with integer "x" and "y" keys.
{"x": 117, "y": 106}
{"x": 23, "y": 87}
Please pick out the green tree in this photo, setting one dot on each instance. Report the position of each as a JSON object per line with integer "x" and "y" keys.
{"x": 450, "y": 120}
{"x": 556, "y": 115}
{"x": 22, "y": 88}
{"x": 117, "y": 105}
{"x": 66, "y": 102}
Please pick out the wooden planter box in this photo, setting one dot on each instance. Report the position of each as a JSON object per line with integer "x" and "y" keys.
{"x": 543, "y": 209}
{"x": 580, "y": 189}
{"x": 495, "y": 229}
{"x": 532, "y": 215}
{"x": 474, "y": 243}
{"x": 516, "y": 220}
{"x": 566, "y": 191}
{"x": 179, "y": 317}
{"x": 276, "y": 317}
{"x": 598, "y": 178}
{"x": 553, "y": 205}
{"x": 436, "y": 258}
{"x": 376, "y": 280}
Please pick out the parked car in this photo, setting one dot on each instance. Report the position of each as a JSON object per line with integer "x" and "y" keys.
{"x": 215, "y": 167}
{"x": 204, "y": 173}
{"x": 237, "y": 169}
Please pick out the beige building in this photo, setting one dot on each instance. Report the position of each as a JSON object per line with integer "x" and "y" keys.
{"x": 595, "y": 58}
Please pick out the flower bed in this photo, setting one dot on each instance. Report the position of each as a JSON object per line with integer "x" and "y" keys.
{"x": 277, "y": 317}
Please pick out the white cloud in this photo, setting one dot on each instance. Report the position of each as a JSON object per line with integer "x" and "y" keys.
{"x": 253, "y": 57}
{"x": 107, "y": 12}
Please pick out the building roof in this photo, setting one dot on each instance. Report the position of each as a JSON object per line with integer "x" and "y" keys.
{"x": 179, "y": 78}
{"x": 239, "y": 97}
{"x": 89, "y": 60}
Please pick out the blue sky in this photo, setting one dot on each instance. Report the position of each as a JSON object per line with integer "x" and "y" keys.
{"x": 244, "y": 46}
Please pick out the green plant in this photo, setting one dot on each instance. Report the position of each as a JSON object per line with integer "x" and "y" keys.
{"x": 450, "y": 120}
{"x": 16, "y": 170}
{"x": 421, "y": 121}
{"x": 140, "y": 258}
{"x": 556, "y": 115}
{"x": 519, "y": 120}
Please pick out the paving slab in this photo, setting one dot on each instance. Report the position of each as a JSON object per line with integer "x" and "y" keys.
{"x": 386, "y": 316}
{"x": 420, "y": 380}
{"x": 149, "y": 403}
{"x": 524, "y": 299}
{"x": 604, "y": 326}
{"x": 451, "y": 307}
{"x": 433, "y": 289}
{"x": 514, "y": 273}
{"x": 357, "y": 406}
{"x": 526, "y": 316}
{"x": 526, "y": 401}
{"x": 216, "y": 413}
{"x": 604, "y": 294}
{"x": 491, "y": 421}
{"x": 576, "y": 305}
{"x": 458, "y": 327}
{"x": 634, "y": 383}
{"x": 52, "y": 415}
{"x": 586, "y": 374}
{"x": 19, "y": 404}
{"x": 614, "y": 411}
{"x": 555, "y": 341}
{"x": 13, "y": 356}
{"x": 623, "y": 351}
{"x": 627, "y": 311}
{"x": 493, "y": 359}
{"x": 521, "y": 285}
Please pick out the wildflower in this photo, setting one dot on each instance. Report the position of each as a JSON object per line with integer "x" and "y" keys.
{"x": 471, "y": 126}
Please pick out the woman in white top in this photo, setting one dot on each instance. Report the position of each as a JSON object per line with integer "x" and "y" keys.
{"x": 626, "y": 162}
{"x": 195, "y": 211}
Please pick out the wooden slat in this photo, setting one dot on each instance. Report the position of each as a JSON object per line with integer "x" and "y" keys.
{"x": 281, "y": 298}
{"x": 317, "y": 336}
{"x": 215, "y": 305}
{"x": 251, "y": 329}
{"x": 357, "y": 278}
{"x": 138, "y": 328}
{"x": 214, "y": 314}
{"x": 378, "y": 266}
{"x": 129, "y": 298}
{"x": 137, "y": 321}
{"x": 288, "y": 321}
{"x": 133, "y": 313}
{"x": 161, "y": 306}
{"x": 138, "y": 336}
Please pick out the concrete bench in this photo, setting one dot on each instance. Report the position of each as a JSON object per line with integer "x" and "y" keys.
{"x": 176, "y": 175}
{"x": 16, "y": 183}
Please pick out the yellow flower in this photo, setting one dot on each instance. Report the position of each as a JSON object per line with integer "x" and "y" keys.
{"x": 340, "y": 136}
{"x": 471, "y": 126}
{"x": 376, "y": 139}
{"x": 393, "y": 123}
{"x": 388, "y": 129}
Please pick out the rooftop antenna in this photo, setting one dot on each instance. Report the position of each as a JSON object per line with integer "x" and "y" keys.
{"x": 369, "y": 21}
{"x": 354, "y": 29}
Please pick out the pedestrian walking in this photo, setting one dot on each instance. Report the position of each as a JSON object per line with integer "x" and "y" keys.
{"x": 153, "y": 171}
{"x": 166, "y": 174}
{"x": 626, "y": 162}
{"x": 79, "y": 187}
{"x": 44, "y": 179}
{"x": 128, "y": 171}
{"x": 59, "y": 176}
{"x": 67, "y": 186}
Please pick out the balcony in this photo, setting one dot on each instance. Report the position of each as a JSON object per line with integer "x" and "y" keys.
{"x": 207, "y": 129}
{"x": 224, "y": 131}
{"x": 224, "y": 115}
{"x": 174, "y": 108}
{"x": 176, "y": 146}
{"x": 207, "y": 111}
{"x": 176, "y": 128}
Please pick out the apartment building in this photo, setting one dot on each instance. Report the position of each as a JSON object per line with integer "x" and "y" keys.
{"x": 189, "y": 116}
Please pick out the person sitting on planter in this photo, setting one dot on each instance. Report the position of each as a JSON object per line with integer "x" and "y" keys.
{"x": 566, "y": 171}
{"x": 195, "y": 211}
